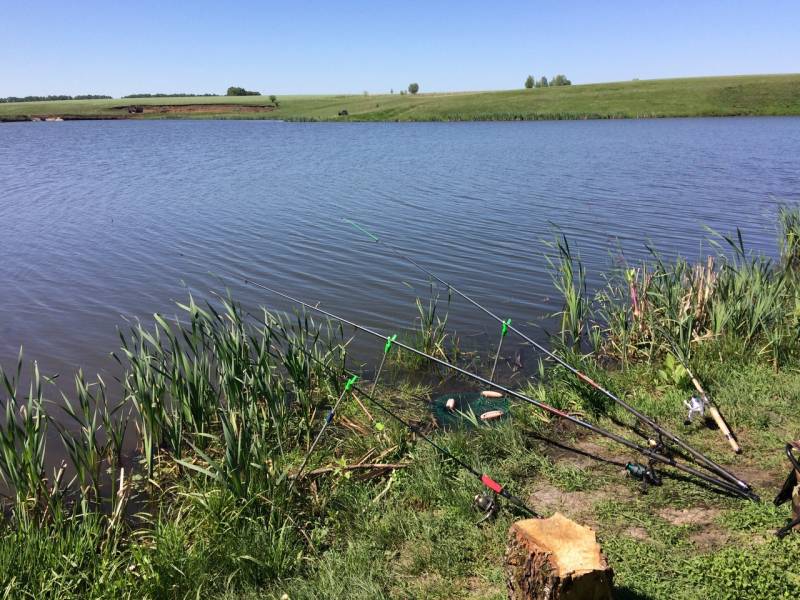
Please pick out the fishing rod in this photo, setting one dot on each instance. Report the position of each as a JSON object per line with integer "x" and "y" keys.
{"x": 328, "y": 420}
{"x": 701, "y": 458}
{"x": 705, "y": 400}
{"x": 649, "y": 453}
{"x": 485, "y": 479}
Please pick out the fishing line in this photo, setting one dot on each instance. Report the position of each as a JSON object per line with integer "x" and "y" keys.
{"x": 706, "y": 462}
{"x": 651, "y": 454}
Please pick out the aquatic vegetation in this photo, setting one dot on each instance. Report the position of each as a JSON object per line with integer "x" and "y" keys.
{"x": 220, "y": 404}
{"x": 664, "y": 307}
{"x": 569, "y": 278}
{"x": 789, "y": 237}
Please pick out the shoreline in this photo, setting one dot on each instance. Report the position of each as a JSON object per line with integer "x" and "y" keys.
{"x": 747, "y": 95}
{"x": 489, "y": 119}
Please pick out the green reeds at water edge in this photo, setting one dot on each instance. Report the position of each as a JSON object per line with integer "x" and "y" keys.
{"x": 734, "y": 297}
{"x": 222, "y": 404}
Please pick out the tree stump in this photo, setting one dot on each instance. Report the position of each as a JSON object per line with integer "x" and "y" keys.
{"x": 555, "y": 559}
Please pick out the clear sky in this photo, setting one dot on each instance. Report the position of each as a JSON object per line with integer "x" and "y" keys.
{"x": 118, "y": 47}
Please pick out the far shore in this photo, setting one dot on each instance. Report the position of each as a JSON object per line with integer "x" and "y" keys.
{"x": 745, "y": 95}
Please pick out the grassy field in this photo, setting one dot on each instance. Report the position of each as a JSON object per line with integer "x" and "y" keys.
{"x": 691, "y": 97}
{"x": 223, "y": 407}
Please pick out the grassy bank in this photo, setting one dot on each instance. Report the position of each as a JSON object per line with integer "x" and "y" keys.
{"x": 691, "y": 97}
{"x": 223, "y": 408}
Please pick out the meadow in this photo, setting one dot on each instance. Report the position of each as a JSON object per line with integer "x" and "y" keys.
{"x": 222, "y": 408}
{"x": 689, "y": 97}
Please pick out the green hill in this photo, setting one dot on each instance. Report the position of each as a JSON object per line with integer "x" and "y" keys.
{"x": 690, "y": 97}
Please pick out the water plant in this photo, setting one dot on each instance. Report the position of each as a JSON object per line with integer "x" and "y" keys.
{"x": 569, "y": 278}
{"x": 23, "y": 435}
{"x": 732, "y": 295}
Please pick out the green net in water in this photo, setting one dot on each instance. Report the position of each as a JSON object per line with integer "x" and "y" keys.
{"x": 466, "y": 404}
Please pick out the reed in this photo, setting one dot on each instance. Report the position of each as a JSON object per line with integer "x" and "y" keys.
{"x": 430, "y": 334}
{"x": 23, "y": 436}
{"x": 569, "y": 278}
{"x": 732, "y": 296}
{"x": 789, "y": 238}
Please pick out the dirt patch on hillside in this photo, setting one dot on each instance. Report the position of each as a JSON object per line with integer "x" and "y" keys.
{"x": 172, "y": 109}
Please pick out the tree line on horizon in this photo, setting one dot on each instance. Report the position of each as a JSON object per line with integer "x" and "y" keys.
{"x": 10, "y": 99}
{"x": 176, "y": 95}
{"x": 555, "y": 81}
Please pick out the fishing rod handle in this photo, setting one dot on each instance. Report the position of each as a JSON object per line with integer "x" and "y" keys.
{"x": 716, "y": 415}
{"x": 723, "y": 427}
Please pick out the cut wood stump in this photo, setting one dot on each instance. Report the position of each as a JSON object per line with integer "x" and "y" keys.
{"x": 555, "y": 559}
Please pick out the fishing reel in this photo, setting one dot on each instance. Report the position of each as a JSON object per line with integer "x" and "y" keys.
{"x": 647, "y": 475}
{"x": 488, "y": 504}
{"x": 696, "y": 407}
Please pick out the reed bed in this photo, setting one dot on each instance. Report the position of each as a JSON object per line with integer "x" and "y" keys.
{"x": 219, "y": 405}
{"x": 733, "y": 299}
{"x": 216, "y": 411}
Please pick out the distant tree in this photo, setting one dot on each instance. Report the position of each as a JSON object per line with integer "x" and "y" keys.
{"x": 240, "y": 91}
{"x": 402, "y": 92}
{"x": 529, "y": 82}
{"x": 176, "y": 95}
{"x": 413, "y": 88}
{"x": 560, "y": 80}
{"x": 542, "y": 82}
{"x": 391, "y": 91}
{"x": 54, "y": 97}
{"x": 273, "y": 98}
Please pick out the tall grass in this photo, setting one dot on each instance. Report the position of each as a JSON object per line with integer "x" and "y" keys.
{"x": 430, "y": 334}
{"x": 569, "y": 278}
{"x": 220, "y": 402}
{"x": 23, "y": 437}
{"x": 733, "y": 297}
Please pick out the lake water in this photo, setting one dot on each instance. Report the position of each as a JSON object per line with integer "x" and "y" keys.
{"x": 103, "y": 221}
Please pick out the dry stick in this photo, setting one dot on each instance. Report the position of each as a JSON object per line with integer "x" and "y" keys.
{"x": 741, "y": 488}
{"x": 704, "y": 461}
{"x": 365, "y": 466}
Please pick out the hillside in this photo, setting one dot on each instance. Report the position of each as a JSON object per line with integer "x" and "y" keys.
{"x": 690, "y": 97}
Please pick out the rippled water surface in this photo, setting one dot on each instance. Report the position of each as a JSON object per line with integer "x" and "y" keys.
{"x": 103, "y": 221}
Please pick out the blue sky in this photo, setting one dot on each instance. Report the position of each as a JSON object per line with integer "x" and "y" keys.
{"x": 118, "y": 47}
